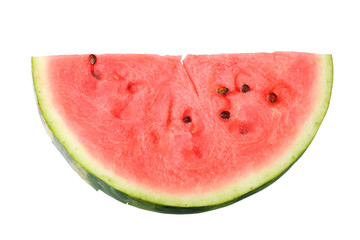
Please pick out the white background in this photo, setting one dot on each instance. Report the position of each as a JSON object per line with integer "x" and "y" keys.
{"x": 43, "y": 198}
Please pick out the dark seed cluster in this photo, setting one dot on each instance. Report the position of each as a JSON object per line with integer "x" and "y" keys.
{"x": 223, "y": 91}
{"x": 272, "y": 97}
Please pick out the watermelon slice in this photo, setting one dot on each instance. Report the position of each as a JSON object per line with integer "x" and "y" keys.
{"x": 184, "y": 135}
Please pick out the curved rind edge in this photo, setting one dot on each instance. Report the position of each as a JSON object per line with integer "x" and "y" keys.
{"x": 97, "y": 183}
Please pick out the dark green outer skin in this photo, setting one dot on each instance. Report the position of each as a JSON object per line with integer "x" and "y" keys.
{"x": 97, "y": 183}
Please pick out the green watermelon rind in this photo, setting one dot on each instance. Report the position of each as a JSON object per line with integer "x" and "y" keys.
{"x": 120, "y": 189}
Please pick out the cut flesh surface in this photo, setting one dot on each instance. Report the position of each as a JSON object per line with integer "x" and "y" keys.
{"x": 121, "y": 121}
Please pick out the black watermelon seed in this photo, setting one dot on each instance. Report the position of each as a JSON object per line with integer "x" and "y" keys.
{"x": 222, "y": 90}
{"x": 225, "y": 114}
{"x": 96, "y": 74}
{"x": 187, "y": 119}
{"x": 272, "y": 97}
{"x": 245, "y": 88}
{"x": 92, "y": 59}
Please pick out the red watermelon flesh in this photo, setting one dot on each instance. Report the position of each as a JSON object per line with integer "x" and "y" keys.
{"x": 154, "y": 127}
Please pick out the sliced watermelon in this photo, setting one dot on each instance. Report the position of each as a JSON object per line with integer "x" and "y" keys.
{"x": 182, "y": 135}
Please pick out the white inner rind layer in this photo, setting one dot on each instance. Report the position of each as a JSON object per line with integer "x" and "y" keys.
{"x": 237, "y": 188}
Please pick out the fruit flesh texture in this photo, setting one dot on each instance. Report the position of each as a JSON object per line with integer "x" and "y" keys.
{"x": 131, "y": 117}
